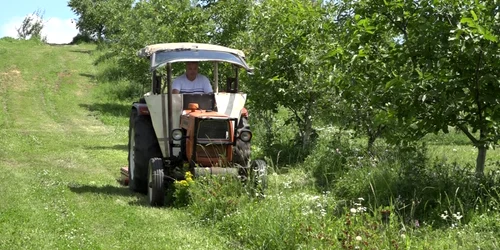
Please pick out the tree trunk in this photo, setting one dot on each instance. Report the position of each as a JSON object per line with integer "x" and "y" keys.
{"x": 307, "y": 129}
{"x": 481, "y": 159}
{"x": 371, "y": 141}
{"x": 306, "y": 137}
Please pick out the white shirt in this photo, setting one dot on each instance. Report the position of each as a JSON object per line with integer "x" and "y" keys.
{"x": 200, "y": 84}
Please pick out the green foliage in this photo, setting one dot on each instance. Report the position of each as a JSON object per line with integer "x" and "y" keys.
{"x": 82, "y": 38}
{"x": 182, "y": 194}
{"x": 31, "y": 27}
{"x": 285, "y": 44}
{"x": 276, "y": 137}
{"x": 212, "y": 198}
{"x": 438, "y": 71}
{"x": 331, "y": 158}
{"x": 403, "y": 178}
{"x": 99, "y": 18}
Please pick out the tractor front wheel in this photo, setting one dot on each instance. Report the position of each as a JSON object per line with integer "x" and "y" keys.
{"x": 156, "y": 183}
{"x": 241, "y": 152}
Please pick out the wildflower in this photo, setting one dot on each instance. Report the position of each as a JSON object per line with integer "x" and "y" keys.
{"x": 314, "y": 197}
{"x": 457, "y": 216}
{"x": 360, "y": 199}
{"x": 361, "y": 209}
{"x": 322, "y": 212}
{"x": 182, "y": 183}
{"x": 358, "y": 238}
{"x": 353, "y": 210}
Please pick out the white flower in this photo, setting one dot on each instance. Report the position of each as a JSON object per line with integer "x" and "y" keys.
{"x": 457, "y": 216}
{"x": 322, "y": 212}
{"x": 361, "y": 209}
{"x": 361, "y": 199}
{"x": 353, "y": 210}
{"x": 358, "y": 238}
{"x": 314, "y": 197}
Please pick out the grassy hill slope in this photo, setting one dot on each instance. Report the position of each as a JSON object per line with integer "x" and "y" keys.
{"x": 59, "y": 163}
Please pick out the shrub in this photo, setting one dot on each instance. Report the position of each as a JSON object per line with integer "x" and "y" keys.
{"x": 82, "y": 38}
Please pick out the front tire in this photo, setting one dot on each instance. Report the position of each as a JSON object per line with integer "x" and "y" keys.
{"x": 156, "y": 183}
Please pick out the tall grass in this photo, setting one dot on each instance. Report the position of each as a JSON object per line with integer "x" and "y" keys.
{"x": 342, "y": 197}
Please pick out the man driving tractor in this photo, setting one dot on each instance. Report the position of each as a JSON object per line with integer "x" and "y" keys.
{"x": 191, "y": 82}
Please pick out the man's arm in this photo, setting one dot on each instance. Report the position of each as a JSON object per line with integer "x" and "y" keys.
{"x": 176, "y": 86}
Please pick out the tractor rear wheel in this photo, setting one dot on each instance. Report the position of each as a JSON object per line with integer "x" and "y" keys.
{"x": 143, "y": 145}
{"x": 156, "y": 183}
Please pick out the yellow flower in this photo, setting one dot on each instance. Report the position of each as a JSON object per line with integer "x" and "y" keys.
{"x": 188, "y": 175}
{"x": 183, "y": 183}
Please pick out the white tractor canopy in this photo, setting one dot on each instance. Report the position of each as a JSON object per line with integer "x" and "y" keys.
{"x": 161, "y": 54}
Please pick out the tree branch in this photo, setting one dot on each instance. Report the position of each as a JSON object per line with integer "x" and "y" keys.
{"x": 467, "y": 133}
{"x": 299, "y": 120}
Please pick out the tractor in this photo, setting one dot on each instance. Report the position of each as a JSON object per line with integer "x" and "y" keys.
{"x": 171, "y": 134}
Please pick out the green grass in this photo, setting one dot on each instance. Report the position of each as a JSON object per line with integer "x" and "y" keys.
{"x": 456, "y": 147}
{"x": 63, "y": 128}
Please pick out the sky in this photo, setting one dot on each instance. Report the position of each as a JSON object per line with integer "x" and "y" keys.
{"x": 58, "y": 25}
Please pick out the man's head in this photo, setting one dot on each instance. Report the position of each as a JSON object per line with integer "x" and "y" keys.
{"x": 191, "y": 70}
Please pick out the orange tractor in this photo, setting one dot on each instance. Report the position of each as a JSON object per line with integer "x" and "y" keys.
{"x": 204, "y": 134}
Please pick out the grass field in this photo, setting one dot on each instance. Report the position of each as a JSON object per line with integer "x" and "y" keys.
{"x": 63, "y": 134}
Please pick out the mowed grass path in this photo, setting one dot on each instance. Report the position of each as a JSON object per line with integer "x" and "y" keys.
{"x": 59, "y": 163}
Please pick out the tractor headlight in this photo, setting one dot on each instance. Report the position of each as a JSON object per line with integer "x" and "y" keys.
{"x": 177, "y": 134}
{"x": 245, "y": 135}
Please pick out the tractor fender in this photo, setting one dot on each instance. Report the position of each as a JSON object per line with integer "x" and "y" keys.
{"x": 142, "y": 108}
{"x": 244, "y": 112}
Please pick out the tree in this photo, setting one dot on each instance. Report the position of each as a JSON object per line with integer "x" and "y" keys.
{"x": 230, "y": 19}
{"x": 100, "y": 18}
{"x": 444, "y": 60}
{"x": 286, "y": 41}
{"x": 31, "y": 27}
{"x": 150, "y": 22}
